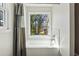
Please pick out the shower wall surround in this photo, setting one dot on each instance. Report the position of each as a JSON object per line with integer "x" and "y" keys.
{"x": 60, "y": 15}
{"x": 38, "y": 26}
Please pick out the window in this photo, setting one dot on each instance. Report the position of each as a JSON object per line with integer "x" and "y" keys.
{"x": 39, "y": 24}
{"x": 1, "y": 18}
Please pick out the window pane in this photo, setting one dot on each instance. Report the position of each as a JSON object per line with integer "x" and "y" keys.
{"x": 1, "y": 18}
{"x": 39, "y": 24}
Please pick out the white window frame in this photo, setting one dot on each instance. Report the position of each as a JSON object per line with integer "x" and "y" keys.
{"x": 49, "y": 26}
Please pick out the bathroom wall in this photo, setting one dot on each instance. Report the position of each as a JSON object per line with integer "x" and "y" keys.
{"x": 6, "y": 36}
{"x": 62, "y": 22}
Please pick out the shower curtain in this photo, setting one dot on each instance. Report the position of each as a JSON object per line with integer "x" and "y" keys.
{"x": 18, "y": 34}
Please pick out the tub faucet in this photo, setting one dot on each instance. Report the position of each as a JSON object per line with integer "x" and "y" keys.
{"x": 52, "y": 40}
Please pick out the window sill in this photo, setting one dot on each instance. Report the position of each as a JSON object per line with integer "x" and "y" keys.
{"x": 41, "y": 44}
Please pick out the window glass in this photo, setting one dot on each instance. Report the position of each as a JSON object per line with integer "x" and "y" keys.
{"x": 39, "y": 24}
{"x": 1, "y": 18}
